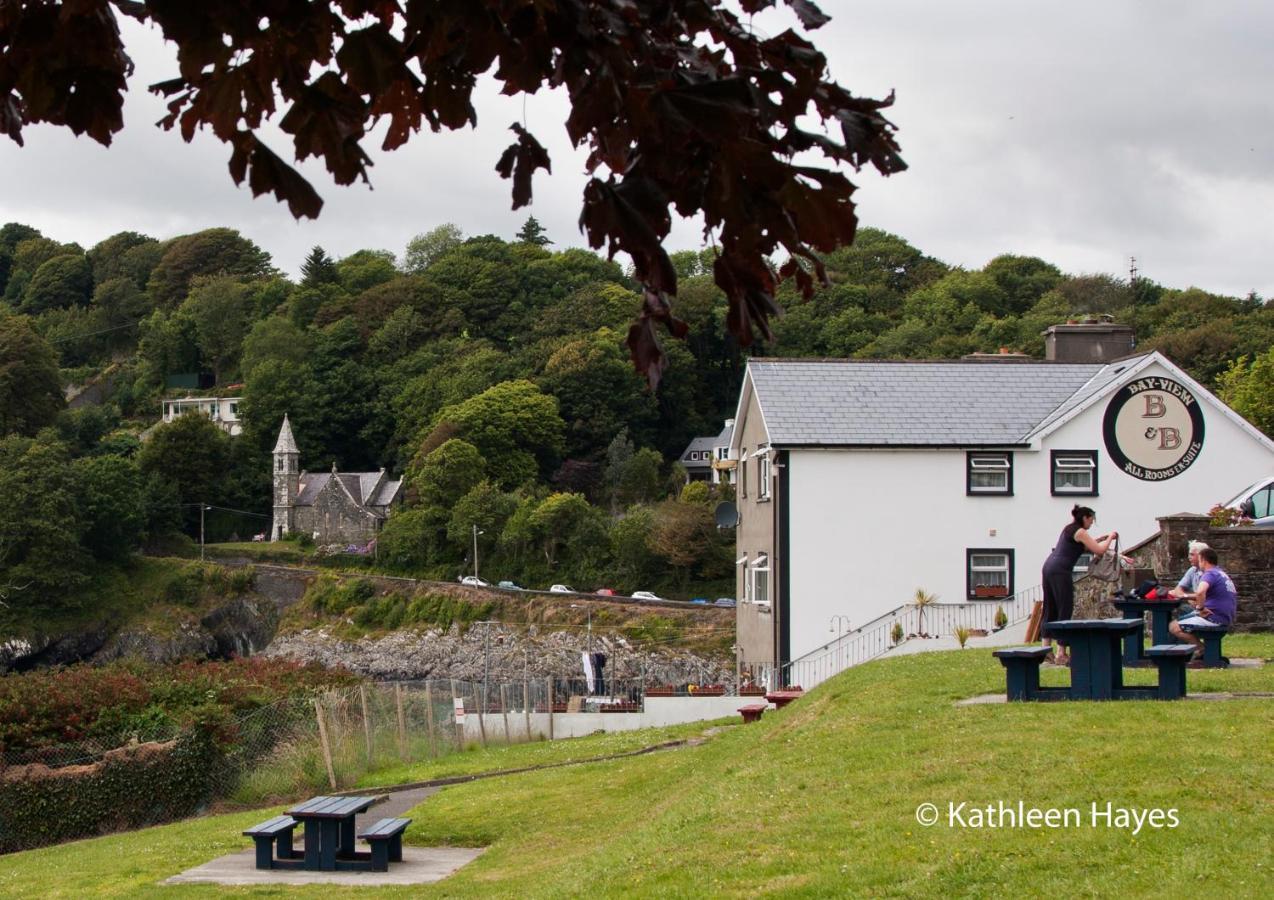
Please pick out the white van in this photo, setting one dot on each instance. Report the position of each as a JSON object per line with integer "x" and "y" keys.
{"x": 1256, "y": 502}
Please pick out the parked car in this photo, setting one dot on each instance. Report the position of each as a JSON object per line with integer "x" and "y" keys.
{"x": 473, "y": 581}
{"x": 561, "y": 589}
{"x": 725, "y": 601}
{"x": 646, "y": 595}
{"x": 1256, "y": 503}
{"x": 509, "y": 586}
{"x": 700, "y": 600}
{"x": 606, "y": 592}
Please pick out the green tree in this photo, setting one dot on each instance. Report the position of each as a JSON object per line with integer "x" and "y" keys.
{"x": 598, "y": 392}
{"x": 639, "y": 482}
{"x": 41, "y": 556}
{"x": 532, "y": 232}
{"x": 486, "y": 507}
{"x": 220, "y": 309}
{"x": 1023, "y": 279}
{"x": 193, "y": 454}
{"x": 111, "y": 505}
{"x": 365, "y": 269}
{"x": 214, "y": 251}
{"x": 556, "y": 521}
{"x": 424, "y": 248}
{"x": 515, "y": 427}
{"x": 62, "y": 281}
{"x": 1248, "y": 387}
{"x": 30, "y": 389}
{"x": 635, "y": 563}
{"x": 274, "y": 388}
{"x": 319, "y": 268}
{"x": 275, "y": 338}
{"x": 112, "y": 258}
{"x": 446, "y": 474}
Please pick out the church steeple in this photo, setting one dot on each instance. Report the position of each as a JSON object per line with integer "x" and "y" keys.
{"x": 287, "y": 471}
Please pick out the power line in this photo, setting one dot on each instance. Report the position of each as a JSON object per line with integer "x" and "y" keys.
{"x": 77, "y": 337}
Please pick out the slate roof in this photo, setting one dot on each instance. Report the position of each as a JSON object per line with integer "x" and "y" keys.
{"x": 911, "y": 403}
{"x": 701, "y": 444}
{"x": 362, "y": 486}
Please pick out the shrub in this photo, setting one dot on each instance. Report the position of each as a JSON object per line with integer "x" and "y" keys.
{"x": 896, "y": 633}
{"x": 962, "y": 635}
{"x": 1001, "y": 617}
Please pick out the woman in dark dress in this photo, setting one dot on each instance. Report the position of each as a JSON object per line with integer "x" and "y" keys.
{"x": 1058, "y": 577}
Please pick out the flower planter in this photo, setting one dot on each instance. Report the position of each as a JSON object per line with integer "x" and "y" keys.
{"x": 751, "y": 690}
{"x": 709, "y": 690}
{"x": 985, "y": 592}
{"x": 661, "y": 692}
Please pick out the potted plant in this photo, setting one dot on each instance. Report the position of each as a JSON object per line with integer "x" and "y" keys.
{"x": 1001, "y": 618}
{"x": 896, "y": 633}
{"x": 922, "y": 599}
{"x": 961, "y": 635}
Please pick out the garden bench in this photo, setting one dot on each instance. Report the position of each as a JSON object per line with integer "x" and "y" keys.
{"x": 1171, "y": 661}
{"x": 752, "y": 712}
{"x": 1022, "y": 670}
{"x": 1211, "y": 636}
{"x": 268, "y": 834}
{"x": 386, "y": 841}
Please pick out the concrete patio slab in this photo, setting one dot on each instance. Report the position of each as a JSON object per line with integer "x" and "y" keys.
{"x": 420, "y": 865}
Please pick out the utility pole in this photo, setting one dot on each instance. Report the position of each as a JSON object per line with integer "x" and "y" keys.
{"x": 486, "y": 658}
{"x": 476, "y": 532}
{"x": 202, "y": 507}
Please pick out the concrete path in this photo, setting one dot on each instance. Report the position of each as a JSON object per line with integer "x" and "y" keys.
{"x": 420, "y": 865}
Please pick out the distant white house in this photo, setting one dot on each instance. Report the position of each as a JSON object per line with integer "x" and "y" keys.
{"x": 708, "y": 458}
{"x": 861, "y": 481}
{"x": 224, "y": 411}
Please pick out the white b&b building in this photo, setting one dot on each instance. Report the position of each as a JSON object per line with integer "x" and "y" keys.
{"x": 860, "y": 481}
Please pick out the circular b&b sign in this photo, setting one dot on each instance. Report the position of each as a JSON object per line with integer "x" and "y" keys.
{"x": 1154, "y": 428}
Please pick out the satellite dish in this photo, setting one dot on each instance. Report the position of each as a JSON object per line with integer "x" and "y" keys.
{"x": 727, "y": 514}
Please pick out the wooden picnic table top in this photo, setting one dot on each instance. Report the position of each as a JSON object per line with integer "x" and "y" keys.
{"x": 331, "y": 807}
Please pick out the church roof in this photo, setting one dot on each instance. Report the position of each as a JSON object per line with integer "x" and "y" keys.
{"x": 367, "y": 488}
{"x": 286, "y": 443}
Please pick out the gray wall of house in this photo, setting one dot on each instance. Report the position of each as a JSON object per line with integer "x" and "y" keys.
{"x": 756, "y": 534}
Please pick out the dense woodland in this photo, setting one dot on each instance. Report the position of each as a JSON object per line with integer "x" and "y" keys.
{"x": 492, "y": 373}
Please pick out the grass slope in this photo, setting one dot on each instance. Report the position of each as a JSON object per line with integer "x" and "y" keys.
{"x": 820, "y": 799}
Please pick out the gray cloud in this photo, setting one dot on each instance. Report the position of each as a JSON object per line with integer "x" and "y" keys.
{"x": 1082, "y": 132}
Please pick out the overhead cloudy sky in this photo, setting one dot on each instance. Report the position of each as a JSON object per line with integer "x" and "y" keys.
{"x": 1085, "y": 133}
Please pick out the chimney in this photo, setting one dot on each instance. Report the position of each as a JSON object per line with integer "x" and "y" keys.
{"x": 1094, "y": 340}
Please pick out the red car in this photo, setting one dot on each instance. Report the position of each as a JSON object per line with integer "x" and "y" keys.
{"x": 605, "y": 592}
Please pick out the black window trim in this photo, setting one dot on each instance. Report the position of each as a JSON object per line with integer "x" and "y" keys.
{"x": 1053, "y": 456}
{"x": 1007, "y": 455}
{"x": 968, "y": 571}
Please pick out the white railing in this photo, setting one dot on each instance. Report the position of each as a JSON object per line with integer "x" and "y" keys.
{"x": 877, "y": 636}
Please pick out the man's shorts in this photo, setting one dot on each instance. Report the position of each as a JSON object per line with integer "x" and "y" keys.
{"x": 1195, "y": 619}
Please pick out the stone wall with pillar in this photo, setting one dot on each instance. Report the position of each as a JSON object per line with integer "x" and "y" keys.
{"x": 1247, "y": 554}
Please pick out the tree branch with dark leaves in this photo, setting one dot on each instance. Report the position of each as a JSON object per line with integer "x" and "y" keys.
{"x": 682, "y": 105}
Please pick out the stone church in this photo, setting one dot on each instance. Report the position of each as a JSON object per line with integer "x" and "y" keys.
{"x": 335, "y": 507}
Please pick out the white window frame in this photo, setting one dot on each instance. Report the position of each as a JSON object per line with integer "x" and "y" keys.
{"x": 973, "y": 569}
{"x": 989, "y": 462}
{"x": 743, "y": 474}
{"x": 763, "y": 473}
{"x": 1073, "y": 462}
{"x": 759, "y": 567}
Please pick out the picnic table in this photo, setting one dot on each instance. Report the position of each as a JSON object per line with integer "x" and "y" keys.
{"x": 1161, "y": 612}
{"x": 1097, "y": 671}
{"x": 329, "y": 837}
{"x": 781, "y": 699}
{"x": 329, "y": 829}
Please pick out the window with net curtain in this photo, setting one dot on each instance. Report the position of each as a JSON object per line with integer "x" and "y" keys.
{"x": 990, "y": 473}
{"x": 1075, "y": 472}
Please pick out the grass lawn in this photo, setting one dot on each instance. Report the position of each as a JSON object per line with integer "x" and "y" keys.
{"x": 820, "y": 800}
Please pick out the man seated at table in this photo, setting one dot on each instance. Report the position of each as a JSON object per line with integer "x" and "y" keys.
{"x": 1189, "y": 582}
{"x": 1215, "y": 602}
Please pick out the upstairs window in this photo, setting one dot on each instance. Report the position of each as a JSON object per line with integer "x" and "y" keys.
{"x": 763, "y": 474}
{"x": 989, "y": 473}
{"x": 761, "y": 579}
{"x": 1074, "y": 472}
{"x": 743, "y": 474}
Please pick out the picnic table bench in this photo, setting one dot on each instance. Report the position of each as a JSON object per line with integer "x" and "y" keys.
{"x": 781, "y": 699}
{"x": 268, "y": 834}
{"x": 752, "y": 712}
{"x": 1211, "y": 636}
{"x": 1161, "y": 612}
{"x": 386, "y": 840}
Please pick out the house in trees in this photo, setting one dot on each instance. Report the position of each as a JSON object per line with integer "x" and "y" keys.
{"x": 860, "y": 481}
{"x": 708, "y": 458}
{"x": 224, "y": 411}
{"x": 333, "y": 507}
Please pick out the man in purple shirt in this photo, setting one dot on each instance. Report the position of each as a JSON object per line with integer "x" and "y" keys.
{"x": 1215, "y": 602}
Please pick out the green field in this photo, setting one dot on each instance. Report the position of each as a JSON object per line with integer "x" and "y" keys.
{"x": 820, "y": 800}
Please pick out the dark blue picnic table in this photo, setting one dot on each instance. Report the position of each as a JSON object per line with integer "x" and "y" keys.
{"x": 1097, "y": 671}
{"x": 329, "y": 831}
{"x": 1161, "y": 612}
